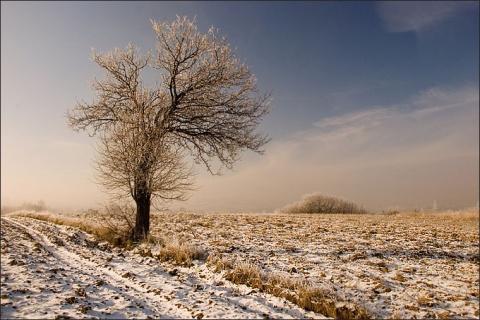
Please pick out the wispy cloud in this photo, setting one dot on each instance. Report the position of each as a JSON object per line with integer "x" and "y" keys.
{"x": 402, "y": 16}
{"x": 406, "y": 155}
{"x": 433, "y": 125}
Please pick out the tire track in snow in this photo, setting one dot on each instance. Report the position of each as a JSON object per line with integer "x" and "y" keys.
{"x": 114, "y": 282}
{"x": 169, "y": 296}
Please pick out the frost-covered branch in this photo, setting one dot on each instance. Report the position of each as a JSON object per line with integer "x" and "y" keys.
{"x": 207, "y": 105}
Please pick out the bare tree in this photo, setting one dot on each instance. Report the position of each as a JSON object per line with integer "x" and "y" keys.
{"x": 134, "y": 160}
{"x": 206, "y": 104}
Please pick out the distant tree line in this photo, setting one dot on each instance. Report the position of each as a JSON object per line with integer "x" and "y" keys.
{"x": 29, "y": 206}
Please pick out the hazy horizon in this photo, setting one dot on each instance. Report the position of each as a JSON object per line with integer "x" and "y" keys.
{"x": 373, "y": 102}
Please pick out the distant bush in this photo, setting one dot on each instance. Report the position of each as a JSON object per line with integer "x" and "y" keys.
{"x": 319, "y": 203}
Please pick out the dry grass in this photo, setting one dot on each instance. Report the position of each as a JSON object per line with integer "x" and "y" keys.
{"x": 179, "y": 252}
{"x": 246, "y": 273}
{"x": 299, "y": 291}
{"x": 86, "y": 221}
{"x": 424, "y": 301}
{"x": 463, "y": 215}
{"x": 170, "y": 249}
{"x": 219, "y": 262}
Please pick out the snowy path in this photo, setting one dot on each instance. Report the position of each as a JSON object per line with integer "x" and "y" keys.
{"x": 58, "y": 271}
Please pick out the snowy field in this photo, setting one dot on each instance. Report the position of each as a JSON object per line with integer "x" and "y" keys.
{"x": 397, "y": 266}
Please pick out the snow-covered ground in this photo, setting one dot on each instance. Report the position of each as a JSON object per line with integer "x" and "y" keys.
{"x": 52, "y": 271}
{"x": 402, "y": 266}
{"x": 413, "y": 266}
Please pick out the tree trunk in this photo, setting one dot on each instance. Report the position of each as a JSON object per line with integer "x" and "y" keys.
{"x": 142, "y": 220}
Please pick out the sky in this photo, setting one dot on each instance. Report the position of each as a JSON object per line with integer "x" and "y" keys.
{"x": 373, "y": 102}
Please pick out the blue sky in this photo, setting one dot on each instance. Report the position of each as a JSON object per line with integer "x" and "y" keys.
{"x": 375, "y": 102}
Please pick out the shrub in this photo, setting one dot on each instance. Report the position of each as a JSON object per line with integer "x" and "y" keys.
{"x": 319, "y": 203}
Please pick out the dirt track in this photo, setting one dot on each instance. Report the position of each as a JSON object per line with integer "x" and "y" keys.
{"x": 51, "y": 271}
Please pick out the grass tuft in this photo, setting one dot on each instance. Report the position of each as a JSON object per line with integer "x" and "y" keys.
{"x": 219, "y": 262}
{"x": 179, "y": 252}
{"x": 299, "y": 291}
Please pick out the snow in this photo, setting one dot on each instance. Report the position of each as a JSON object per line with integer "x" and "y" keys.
{"x": 394, "y": 266}
{"x": 59, "y": 271}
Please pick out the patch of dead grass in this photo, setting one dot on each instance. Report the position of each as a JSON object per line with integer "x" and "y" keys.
{"x": 299, "y": 291}
{"x": 179, "y": 252}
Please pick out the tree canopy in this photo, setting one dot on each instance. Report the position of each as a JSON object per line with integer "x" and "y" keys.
{"x": 205, "y": 105}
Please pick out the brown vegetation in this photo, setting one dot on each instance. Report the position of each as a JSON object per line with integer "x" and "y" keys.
{"x": 319, "y": 203}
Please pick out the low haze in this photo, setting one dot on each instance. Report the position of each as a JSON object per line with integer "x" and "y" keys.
{"x": 374, "y": 102}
